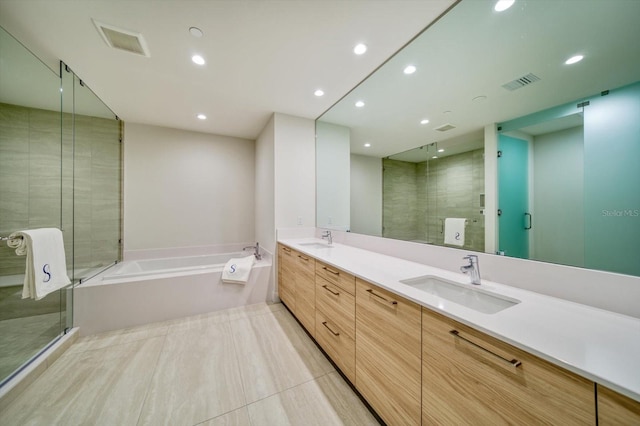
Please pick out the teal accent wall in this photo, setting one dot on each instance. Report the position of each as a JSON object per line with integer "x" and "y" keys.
{"x": 612, "y": 181}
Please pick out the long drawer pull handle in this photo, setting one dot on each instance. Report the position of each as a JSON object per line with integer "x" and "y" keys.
{"x": 335, "y": 293}
{"x": 329, "y": 328}
{"x": 288, "y": 250}
{"x": 513, "y": 362}
{"x": 391, "y": 302}
{"x": 329, "y": 270}
{"x": 303, "y": 258}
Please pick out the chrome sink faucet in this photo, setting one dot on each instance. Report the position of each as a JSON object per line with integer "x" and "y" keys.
{"x": 328, "y": 236}
{"x": 473, "y": 269}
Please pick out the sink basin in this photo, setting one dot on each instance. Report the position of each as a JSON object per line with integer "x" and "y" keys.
{"x": 463, "y": 294}
{"x": 315, "y": 245}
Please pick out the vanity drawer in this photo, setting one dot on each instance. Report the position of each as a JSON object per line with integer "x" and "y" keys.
{"x": 342, "y": 279}
{"x": 305, "y": 267}
{"x": 336, "y": 304}
{"x": 337, "y": 344}
{"x": 468, "y": 375}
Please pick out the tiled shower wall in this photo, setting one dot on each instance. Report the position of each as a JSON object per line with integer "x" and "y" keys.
{"x": 35, "y": 168}
{"x": 419, "y": 196}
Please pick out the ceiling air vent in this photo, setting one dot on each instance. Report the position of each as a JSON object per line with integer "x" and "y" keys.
{"x": 122, "y": 39}
{"x": 445, "y": 127}
{"x": 521, "y": 82}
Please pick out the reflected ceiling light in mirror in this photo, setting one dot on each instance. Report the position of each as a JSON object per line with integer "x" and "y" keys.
{"x": 502, "y": 5}
{"x": 409, "y": 69}
{"x": 434, "y": 157}
{"x": 197, "y": 59}
{"x": 367, "y": 145}
{"x": 425, "y": 121}
{"x": 441, "y": 150}
{"x": 201, "y": 117}
{"x": 360, "y": 49}
{"x": 574, "y": 59}
{"x": 319, "y": 92}
{"x": 360, "y": 104}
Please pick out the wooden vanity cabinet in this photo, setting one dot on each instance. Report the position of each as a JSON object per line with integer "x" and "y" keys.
{"x": 616, "y": 409}
{"x": 469, "y": 377}
{"x": 388, "y": 353}
{"x": 335, "y": 316}
{"x": 286, "y": 276}
{"x": 296, "y": 285}
{"x": 304, "y": 273}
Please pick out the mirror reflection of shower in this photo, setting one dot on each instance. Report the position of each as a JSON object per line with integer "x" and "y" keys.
{"x": 424, "y": 186}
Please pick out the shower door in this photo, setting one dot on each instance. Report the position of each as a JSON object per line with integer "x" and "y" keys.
{"x": 32, "y": 172}
{"x": 60, "y": 167}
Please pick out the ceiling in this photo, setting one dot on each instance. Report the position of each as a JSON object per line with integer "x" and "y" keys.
{"x": 465, "y": 58}
{"x": 262, "y": 56}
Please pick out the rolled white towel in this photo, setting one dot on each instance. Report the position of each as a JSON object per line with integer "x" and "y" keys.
{"x": 46, "y": 269}
{"x": 237, "y": 271}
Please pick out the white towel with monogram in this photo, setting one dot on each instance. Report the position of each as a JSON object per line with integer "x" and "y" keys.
{"x": 454, "y": 231}
{"x": 237, "y": 271}
{"x": 46, "y": 269}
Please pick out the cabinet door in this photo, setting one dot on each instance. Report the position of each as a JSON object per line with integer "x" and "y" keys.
{"x": 286, "y": 279}
{"x": 388, "y": 353}
{"x": 616, "y": 409}
{"x": 471, "y": 378}
{"x": 305, "y": 291}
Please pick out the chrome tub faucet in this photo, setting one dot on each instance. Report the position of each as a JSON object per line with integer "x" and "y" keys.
{"x": 256, "y": 253}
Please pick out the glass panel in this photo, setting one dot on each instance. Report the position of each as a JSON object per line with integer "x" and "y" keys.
{"x": 97, "y": 183}
{"x": 513, "y": 197}
{"x": 30, "y": 192}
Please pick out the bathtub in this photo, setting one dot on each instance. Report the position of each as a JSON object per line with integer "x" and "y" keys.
{"x": 138, "y": 292}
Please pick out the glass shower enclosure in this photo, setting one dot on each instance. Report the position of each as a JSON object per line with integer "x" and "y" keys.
{"x": 60, "y": 167}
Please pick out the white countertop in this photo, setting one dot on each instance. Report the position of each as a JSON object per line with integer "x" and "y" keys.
{"x": 599, "y": 345}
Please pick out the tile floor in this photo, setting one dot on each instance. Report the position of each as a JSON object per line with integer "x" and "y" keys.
{"x": 251, "y": 366}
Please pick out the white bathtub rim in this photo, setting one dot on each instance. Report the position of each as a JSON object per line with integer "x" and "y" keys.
{"x": 98, "y": 280}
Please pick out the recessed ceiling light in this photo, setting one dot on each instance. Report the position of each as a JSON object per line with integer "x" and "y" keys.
{"x": 201, "y": 117}
{"x": 197, "y": 59}
{"x": 359, "y": 104}
{"x": 425, "y": 121}
{"x": 434, "y": 157}
{"x": 502, "y": 5}
{"x": 409, "y": 69}
{"x": 574, "y": 59}
{"x": 195, "y": 31}
{"x": 318, "y": 92}
{"x": 367, "y": 145}
{"x": 441, "y": 150}
{"x": 360, "y": 49}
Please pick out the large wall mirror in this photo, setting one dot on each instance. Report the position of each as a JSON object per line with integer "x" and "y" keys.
{"x": 479, "y": 135}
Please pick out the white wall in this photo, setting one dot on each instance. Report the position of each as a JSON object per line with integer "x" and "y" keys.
{"x": 186, "y": 188}
{"x": 265, "y": 188}
{"x": 333, "y": 170}
{"x": 295, "y": 171}
{"x": 366, "y": 195}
